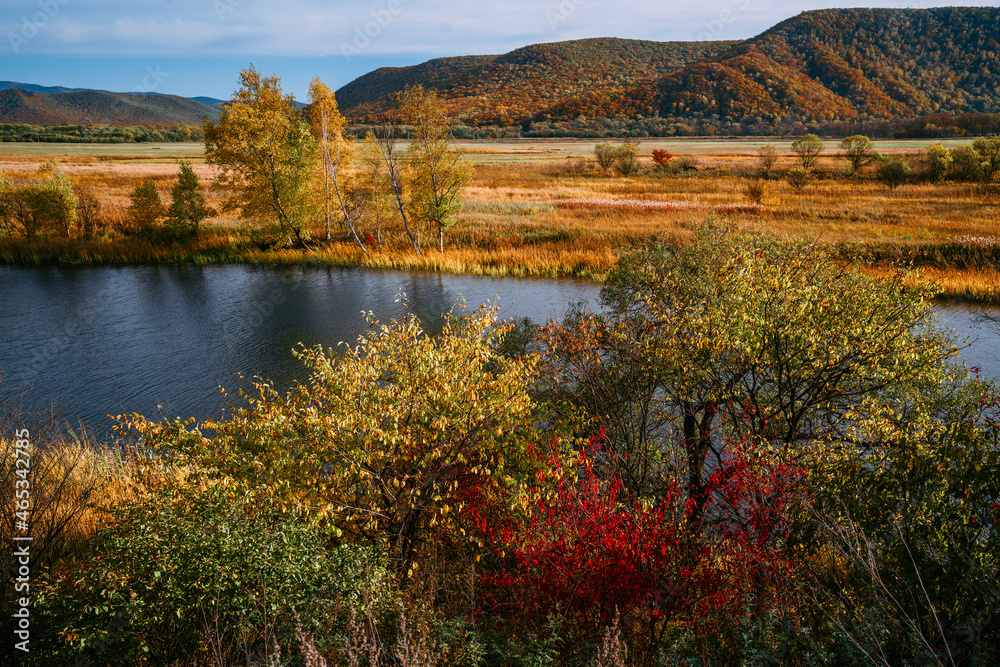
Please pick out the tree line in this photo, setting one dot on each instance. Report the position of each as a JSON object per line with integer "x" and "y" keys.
{"x": 98, "y": 134}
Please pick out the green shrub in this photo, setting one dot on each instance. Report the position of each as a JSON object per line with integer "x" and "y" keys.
{"x": 966, "y": 164}
{"x": 893, "y": 172}
{"x": 937, "y": 162}
{"x": 198, "y": 576}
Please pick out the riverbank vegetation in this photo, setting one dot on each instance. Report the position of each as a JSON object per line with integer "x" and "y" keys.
{"x": 279, "y": 185}
{"x": 753, "y": 456}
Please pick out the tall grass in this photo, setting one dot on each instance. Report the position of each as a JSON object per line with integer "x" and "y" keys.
{"x": 566, "y": 218}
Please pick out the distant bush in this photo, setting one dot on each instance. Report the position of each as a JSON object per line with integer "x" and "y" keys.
{"x": 807, "y": 149}
{"x": 767, "y": 156}
{"x": 754, "y": 192}
{"x": 89, "y": 220}
{"x": 937, "y": 162}
{"x": 798, "y": 178}
{"x": 858, "y": 151}
{"x": 989, "y": 155}
{"x": 966, "y": 166}
{"x": 145, "y": 210}
{"x": 623, "y": 158}
{"x": 893, "y": 172}
{"x": 40, "y": 208}
{"x": 684, "y": 163}
{"x": 662, "y": 158}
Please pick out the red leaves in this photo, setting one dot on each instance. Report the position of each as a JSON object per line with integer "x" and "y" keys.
{"x": 584, "y": 553}
{"x": 661, "y": 157}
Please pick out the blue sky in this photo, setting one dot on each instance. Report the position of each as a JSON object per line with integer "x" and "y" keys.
{"x": 197, "y": 47}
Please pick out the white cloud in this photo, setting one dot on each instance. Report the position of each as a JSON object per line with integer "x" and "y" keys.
{"x": 420, "y": 27}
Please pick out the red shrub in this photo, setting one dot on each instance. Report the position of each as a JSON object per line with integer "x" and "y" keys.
{"x": 583, "y": 555}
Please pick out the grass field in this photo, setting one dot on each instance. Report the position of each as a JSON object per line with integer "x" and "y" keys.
{"x": 541, "y": 207}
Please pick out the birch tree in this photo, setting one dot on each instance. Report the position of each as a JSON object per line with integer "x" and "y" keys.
{"x": 336, "y": 151}
{"x": 439, "y": 170}
{"x": 264, "y": 154}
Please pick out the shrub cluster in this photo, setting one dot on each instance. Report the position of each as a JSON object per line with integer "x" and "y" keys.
{"x": 751, "y": 455}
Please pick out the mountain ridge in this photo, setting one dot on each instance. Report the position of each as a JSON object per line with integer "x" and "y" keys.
{"x": 93, "y": 107}
{"x": 821, "y": 65}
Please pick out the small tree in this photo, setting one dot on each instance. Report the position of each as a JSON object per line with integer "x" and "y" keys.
{"x": 966, "y": 165}
{"x": 438, "y": 169}
{"x": 88, "y": 214}
{"x": 893, "y": 172}
{"x": 662, "y": 158}
{"x": 626, "y": 161}
{"x": 798, "y": 178}
{"x": 383, "y": 140}
{"x": 989, "y": 154}
{"x": 767, "y": 156}
{"x": 375, "y": 189}
{"x": 188, "y": 207}
{"x": 858, "y": 151}
{"x": 807, "y": 149}
{"x": 335, "y": 151}
{"x": 605, "y": 155}
{"x": 38, "y": 209}
{"x": 263, "y": 153}
{"x": 754, "y": 192}
{"x": 937, "y": 162}
{"x": 146, "y": 209}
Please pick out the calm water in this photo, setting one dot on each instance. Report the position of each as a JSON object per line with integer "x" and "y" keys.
{"x": 154, "y": 340}
{"x": 161, "y": 340}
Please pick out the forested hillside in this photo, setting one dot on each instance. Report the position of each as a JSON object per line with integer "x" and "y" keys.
{"x": 820, "y": 66}
{"x": 506, "y": 88}
{"x": 100, "y": 108}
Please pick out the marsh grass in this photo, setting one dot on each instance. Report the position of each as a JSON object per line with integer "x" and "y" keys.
{"x": 535, "y": 213}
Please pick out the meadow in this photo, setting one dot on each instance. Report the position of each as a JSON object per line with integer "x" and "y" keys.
{"x": 544, "y": 208}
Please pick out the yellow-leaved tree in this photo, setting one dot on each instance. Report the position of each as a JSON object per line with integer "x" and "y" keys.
{"x": 336, "y": 151}
{"x": 390, "y": 438}
{"x": 264, "y": 154}
{"x": 438, "y": 170}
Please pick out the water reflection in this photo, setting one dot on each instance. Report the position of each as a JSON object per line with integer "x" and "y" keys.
{"x": 162, "y": 339}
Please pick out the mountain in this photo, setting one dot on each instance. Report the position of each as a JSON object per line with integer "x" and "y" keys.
{"x": 506, "y": 88}
{"x": 823, "y": 65}
{"x": 93, "y": 107}
{"x": 35, "y": 88}
{"x": 837, "y": 64}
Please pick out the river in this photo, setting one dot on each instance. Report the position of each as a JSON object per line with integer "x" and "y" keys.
{"x": 162, "y": 340}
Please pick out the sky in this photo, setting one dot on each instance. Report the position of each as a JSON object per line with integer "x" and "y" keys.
{"x": 197, "y": 47}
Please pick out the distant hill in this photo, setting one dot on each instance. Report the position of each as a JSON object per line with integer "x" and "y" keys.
{"x": 35, "y": 88}
{"x": 91, "y": 107}
{"x": 824, "y": 65}
{"x": 838, "y": 64}
{"x": 506, "y": 88}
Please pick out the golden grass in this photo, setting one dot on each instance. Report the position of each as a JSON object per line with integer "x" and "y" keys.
{"x": 72, "y": 483}
{"x": 534, "y": 214}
